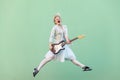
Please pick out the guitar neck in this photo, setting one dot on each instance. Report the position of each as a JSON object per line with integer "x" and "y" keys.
{"x": 70, "y": 40}
{"x": 73, "y": 39}
{"x": 79, "y": 37}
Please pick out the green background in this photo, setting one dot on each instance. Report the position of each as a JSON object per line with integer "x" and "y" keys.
{"x": 25, "y": 27}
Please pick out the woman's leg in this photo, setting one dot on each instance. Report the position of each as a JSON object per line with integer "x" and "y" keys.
{"x": 74, "y": 61}
{"x": 42, "y": 63}
{"x": 85, "y": 68}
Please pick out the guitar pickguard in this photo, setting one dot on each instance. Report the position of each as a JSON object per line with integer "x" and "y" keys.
{"x": 58, "y": 47}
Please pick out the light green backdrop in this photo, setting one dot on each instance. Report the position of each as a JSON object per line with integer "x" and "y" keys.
{"x": 25, "y": 27}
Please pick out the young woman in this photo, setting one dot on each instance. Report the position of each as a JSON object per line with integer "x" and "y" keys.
{"x": 59, "y": 33}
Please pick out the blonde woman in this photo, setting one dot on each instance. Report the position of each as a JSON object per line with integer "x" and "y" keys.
{"x": 59, "y": 33}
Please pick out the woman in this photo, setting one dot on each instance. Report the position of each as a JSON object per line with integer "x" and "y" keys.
{"x": 59, "y": 33}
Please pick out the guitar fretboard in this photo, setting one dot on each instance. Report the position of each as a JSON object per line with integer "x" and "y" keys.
{"x": 73, "y": 39}
{"x": 70, "y": 41}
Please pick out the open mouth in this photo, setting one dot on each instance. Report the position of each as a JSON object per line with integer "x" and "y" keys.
{"x": 58, "y": 21}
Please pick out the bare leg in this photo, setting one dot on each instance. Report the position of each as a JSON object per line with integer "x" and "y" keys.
{"x": 85, "y": 68}
{"x": 74, "y": 61}
{"x": 43, "y": 62}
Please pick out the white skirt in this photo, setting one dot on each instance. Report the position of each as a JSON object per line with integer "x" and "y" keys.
{"x": 66, "y": 54}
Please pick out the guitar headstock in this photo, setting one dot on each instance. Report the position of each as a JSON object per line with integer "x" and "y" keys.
{"x": 81, "y": 36}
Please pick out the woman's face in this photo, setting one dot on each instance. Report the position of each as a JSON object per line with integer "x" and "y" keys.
{"x": 57, "y": 20}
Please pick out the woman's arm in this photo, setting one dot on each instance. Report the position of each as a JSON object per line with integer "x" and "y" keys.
{"x": 51, "y": 39}
{"x": 67, "y": 40}
{"x": 66, "y": 35}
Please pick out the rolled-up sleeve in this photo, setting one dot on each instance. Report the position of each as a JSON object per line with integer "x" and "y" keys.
{"x": 52, "y": 35}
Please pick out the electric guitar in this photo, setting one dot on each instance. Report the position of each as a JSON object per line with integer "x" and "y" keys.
{"x": 56, "y": 48}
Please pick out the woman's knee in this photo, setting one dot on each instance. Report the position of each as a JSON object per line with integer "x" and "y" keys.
{"x": 49, "y": 58}
{"x": 74, "y": 61}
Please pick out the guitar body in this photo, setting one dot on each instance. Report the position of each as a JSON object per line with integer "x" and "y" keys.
{"x": 56, "y": 48}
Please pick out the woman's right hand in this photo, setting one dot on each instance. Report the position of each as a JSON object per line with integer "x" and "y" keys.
{"x": 50, "y": 46}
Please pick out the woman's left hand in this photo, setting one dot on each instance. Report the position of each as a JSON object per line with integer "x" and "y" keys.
{"x": 68, "y": 42}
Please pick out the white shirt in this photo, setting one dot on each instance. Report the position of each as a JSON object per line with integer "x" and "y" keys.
{"x": 58, "y": 34}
